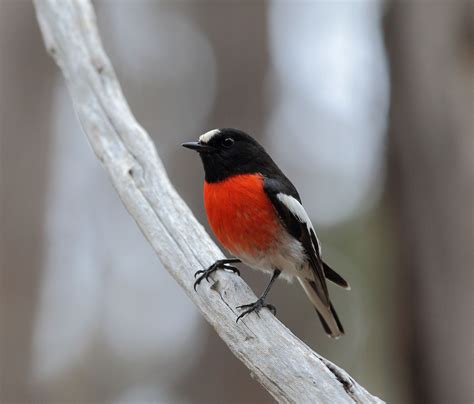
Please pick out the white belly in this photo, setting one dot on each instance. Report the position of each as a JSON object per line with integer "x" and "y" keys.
{"x": 287, "y": 255}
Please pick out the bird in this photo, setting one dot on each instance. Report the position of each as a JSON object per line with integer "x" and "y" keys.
{"x": 256, "y": 213}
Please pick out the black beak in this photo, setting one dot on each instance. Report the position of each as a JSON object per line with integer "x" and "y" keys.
{"x": 199, "y": 147}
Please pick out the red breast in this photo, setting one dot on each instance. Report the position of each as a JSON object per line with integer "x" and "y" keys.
{"x": 240, "y": 213}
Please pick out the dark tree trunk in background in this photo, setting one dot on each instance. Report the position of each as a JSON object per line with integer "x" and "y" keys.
{"x": 431, "y": 177}
{"x": 25, "y": 102}
{"x": 238, "y": 33}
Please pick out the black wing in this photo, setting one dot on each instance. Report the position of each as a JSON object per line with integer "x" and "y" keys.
{"x": 299, "y": 228}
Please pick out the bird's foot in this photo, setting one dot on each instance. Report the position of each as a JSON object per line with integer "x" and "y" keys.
{"x": 256, "y": 307}
{"x": 220, "y": 264}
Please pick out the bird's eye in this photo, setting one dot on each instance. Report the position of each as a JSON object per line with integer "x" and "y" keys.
{"x": 228, "y": 142}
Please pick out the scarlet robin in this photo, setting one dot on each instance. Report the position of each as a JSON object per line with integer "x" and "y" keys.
{"x": 256, "y": 213}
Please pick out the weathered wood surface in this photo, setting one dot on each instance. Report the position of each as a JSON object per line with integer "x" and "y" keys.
{"x": 284, "y": 365}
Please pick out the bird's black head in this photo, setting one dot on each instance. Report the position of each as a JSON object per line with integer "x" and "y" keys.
{"x": 227, "y": 152}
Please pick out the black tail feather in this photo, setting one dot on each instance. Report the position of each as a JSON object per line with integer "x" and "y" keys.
{"x": 339, "y": 324}
{"x": 333, "y": 276}
{"x": 334, "y": 328}
{"x": 325, "y": 325}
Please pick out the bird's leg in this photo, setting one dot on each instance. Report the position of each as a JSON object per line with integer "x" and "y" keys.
{"x": 219, "y": 264}
{"x": 260, "y": 303}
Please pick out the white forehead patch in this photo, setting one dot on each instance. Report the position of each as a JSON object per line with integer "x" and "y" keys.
{"x": 206, "y": 138}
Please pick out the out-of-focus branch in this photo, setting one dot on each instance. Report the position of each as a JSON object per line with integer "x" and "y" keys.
{"x": 285, "y": 366}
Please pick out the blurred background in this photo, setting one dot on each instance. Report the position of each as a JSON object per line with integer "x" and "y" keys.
{"x": 367, "y": 106}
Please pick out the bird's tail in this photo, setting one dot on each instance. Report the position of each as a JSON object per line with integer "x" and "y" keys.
{"x": 327, "y": 315}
